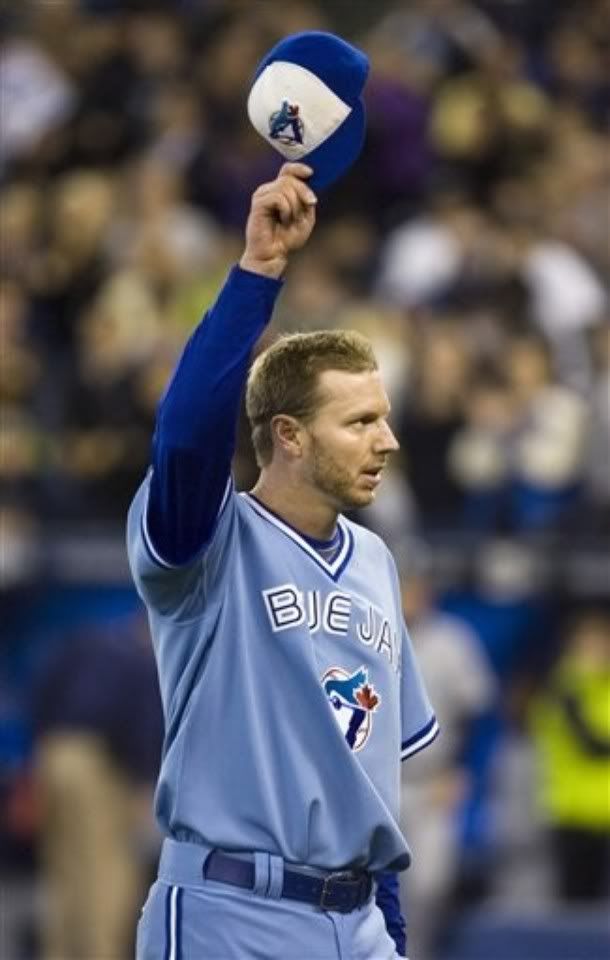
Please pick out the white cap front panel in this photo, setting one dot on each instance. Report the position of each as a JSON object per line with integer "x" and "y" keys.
{"x": 293, "y": 109}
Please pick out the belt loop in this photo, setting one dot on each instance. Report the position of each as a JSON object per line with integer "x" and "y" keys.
{"x": 261, "y": 874}
{"x": 276, "y": 877}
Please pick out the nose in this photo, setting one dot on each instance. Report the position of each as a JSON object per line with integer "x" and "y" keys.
{"x": 386, "y": 441}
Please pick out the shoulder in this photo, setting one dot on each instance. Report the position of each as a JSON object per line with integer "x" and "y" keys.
{"x": 363, "y": 534}
{"x": 369, "y": 541}
{"x": 178, "y": 591}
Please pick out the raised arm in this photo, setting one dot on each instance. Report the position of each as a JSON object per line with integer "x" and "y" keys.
{"x": 194, "y": 436}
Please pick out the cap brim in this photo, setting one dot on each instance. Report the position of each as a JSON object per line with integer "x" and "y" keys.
{"x": 335, "y": 156}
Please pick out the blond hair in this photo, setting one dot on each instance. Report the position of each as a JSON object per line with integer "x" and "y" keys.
{"x": 284, "y": 378}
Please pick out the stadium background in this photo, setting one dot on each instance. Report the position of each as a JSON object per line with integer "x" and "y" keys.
{"x": 470, "y": 243}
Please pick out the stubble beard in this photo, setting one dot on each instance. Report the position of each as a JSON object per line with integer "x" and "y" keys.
{"x": 332, "y": 479}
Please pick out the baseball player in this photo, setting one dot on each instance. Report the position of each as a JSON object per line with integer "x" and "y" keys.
{"x": 289, "y": 687}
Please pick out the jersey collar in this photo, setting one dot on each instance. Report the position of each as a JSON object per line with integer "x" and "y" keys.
{"x": 339, "y": 563}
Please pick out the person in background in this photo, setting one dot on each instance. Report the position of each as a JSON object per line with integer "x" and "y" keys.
{"x": 97, "y": 716}
{"x": 570, "y": 726}
{"x": 436, "y": 781}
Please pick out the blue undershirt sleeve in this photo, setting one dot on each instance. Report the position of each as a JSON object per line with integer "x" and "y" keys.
{"x": 194, "y": 437}
{"x": 388, "y": 901}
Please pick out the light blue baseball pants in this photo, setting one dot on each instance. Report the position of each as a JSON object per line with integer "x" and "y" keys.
{"x": 188, "y": 917}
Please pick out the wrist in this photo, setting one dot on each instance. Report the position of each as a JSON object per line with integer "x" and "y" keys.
{"x": 264, "y": 268}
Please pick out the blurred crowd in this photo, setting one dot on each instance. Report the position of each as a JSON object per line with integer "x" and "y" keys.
{"x": 471, "y": 244}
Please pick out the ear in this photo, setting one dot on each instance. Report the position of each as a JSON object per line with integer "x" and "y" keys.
{"x": 287, "y": 435}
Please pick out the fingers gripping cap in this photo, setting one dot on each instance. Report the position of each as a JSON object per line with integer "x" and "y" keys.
{"x": 305, "y": 101}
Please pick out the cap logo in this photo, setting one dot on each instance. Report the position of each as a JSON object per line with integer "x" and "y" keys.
{"x": 285, "y": 124}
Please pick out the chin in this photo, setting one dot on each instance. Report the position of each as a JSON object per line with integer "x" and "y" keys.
{"x": 360, "y": 498}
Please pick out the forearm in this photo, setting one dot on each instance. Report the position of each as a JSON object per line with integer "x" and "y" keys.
{"x": 388, "y": 901}
{"x": 196, "y": 423}
{"x": 195, "y": 434}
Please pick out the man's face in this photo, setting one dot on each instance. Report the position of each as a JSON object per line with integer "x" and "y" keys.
{"x": 348, "y": 441}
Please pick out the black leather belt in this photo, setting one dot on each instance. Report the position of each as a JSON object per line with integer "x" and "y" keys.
{"x": 343, "y": 891}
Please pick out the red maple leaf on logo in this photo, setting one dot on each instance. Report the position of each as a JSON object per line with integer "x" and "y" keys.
{"x": 366, "y": 697}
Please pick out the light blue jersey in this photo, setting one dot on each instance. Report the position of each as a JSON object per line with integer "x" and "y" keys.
{"x": 288, "y": 685}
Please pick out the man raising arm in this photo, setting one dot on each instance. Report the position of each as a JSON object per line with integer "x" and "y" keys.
{"x": 287, "y": 676}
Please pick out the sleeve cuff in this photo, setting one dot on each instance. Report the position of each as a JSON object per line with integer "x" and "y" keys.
{"x": 250, "y": 280}
{"x": 422, "y": 739}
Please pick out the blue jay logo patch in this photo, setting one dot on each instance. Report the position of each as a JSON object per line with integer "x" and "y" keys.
{"x": 285, "y": 125}
{"x": 354, "y": 701}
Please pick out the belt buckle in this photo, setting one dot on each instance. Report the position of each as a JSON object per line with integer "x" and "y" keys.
{"x": 341, "y": 876}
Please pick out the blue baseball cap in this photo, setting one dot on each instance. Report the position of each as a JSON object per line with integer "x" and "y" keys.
{"x": 306, "y": 102}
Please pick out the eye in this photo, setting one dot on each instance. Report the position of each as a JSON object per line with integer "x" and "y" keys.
{"x": 335, "y": 702}
{"x": 365, "y": 420}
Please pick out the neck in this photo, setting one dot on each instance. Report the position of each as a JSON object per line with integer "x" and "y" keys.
{"x": 298, "y": 505}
